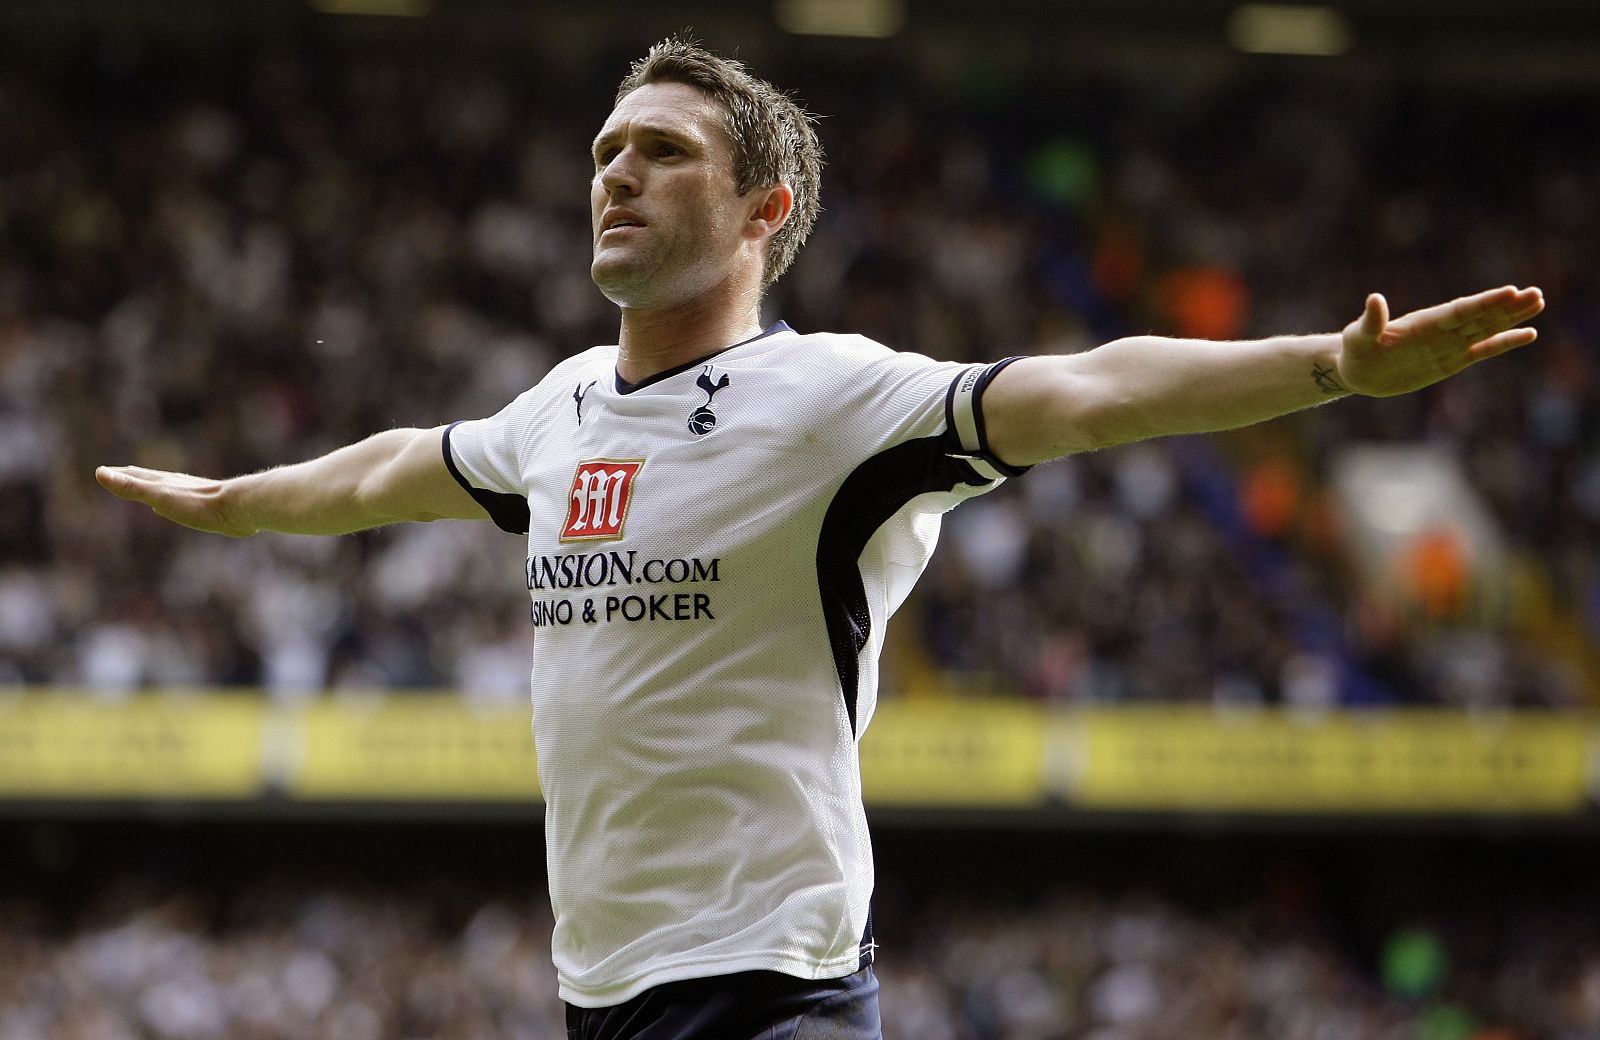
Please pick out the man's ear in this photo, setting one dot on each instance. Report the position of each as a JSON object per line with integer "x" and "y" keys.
{"x": 772, "y": 208}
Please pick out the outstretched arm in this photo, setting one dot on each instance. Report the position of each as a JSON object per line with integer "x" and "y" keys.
{"x": 389, "y": 477}
{"x": 1146, "y": 386}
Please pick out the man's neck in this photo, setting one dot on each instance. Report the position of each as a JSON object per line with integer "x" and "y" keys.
{"x": 655, "y": 341}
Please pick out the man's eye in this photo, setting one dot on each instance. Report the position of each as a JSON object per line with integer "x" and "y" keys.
{"x": 667, "y": 151}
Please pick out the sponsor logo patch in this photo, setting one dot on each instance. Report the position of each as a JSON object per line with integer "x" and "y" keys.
{"x": 597, "y": 508}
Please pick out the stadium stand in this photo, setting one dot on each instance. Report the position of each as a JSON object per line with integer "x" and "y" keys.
{"x": 210, "y": 934}
{"x": 227, "y": 262}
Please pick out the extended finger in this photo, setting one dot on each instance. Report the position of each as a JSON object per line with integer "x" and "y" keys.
{"x": 126, "y": 473}
{"x": 1462, "y": 313}
{"x": 1498, "y": 319}
{"x": 155, "y": 479}
{"x": 1502, "y": 342}
{"x": 145, "y": 473}
{"x": 112, "y": 475}
{"x": 1375, "y": 316}
{"x": 118, "y": 481}
{"x": 1518, "y": 308}
{"x": 1531, "y": 308}
{"x": 1463, "y": 310}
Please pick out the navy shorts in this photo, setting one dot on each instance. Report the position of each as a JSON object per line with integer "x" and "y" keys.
{"x": 751, "y": 1005}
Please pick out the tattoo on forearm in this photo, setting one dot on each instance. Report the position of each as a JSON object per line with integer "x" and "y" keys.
{"x": 1327, "y": 380}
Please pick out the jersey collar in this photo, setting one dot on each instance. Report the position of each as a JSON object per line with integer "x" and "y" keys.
{"x": 625, "y": 387}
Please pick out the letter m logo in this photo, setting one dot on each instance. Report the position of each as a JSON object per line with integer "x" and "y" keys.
{"x": 602, "y": 491}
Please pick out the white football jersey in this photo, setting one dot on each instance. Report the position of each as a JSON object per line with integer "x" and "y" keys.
{"x": 713, "y": 555}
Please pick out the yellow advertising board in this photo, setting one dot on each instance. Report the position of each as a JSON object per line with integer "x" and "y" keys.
{"x": 70, "y": 745}
{"x": 411, "y": 747}
{"x": 951, "y": 753}
{"x": 954, "y": 753}
{"x": 1423, "y": 761}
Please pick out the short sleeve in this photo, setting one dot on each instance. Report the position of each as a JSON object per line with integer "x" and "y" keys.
{"x": 875, "y": 398}
{"x": 964, "y": 417}
{"x": 483, "y": 459}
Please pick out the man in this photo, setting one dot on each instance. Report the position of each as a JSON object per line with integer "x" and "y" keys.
{"x": 721, "y": 519}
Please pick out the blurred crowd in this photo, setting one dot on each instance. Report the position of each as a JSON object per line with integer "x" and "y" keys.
{"x": 288, "y": 961}
{"x": 281, "y": 964}
{"x": 217, "y": 263}
{"x": 1142, "y": 967}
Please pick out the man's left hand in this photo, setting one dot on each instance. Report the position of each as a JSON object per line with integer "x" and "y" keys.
{"x": 1381, "y": 358}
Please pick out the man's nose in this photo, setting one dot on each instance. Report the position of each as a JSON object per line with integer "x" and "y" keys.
{"x": 620, "y": 175}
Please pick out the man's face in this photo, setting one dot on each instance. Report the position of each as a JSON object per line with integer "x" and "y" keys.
{"x": 666, "y": 216}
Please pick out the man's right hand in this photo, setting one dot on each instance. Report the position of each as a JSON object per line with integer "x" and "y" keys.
{"x": 195, "y": 502}
{"x": 388, "y": 478}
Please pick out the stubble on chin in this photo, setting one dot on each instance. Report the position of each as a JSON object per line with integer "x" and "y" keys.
{"x": 622, "y": 284}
